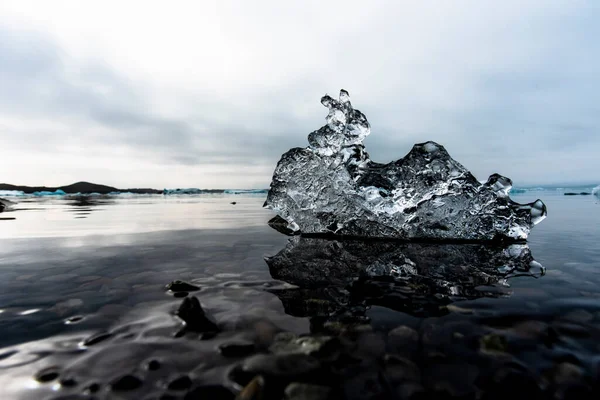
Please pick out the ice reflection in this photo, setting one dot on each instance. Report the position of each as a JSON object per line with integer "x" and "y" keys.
{"x": 341, "y": 279}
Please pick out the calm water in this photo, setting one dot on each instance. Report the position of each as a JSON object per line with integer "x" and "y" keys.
{"x": 71, "y": 268}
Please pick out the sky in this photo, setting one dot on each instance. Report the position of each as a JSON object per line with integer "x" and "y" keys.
{"x": 210, "y": 94}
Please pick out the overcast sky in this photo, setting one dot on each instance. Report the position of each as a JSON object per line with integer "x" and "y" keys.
{"x": 211, "y": 93}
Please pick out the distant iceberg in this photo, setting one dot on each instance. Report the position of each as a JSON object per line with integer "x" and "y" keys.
{"x": 58, "y": 192}
{"x": 213, "y": 191}
{"x": 246, "y": 191}
{"x": 596, "y": 191}
{"x": 183, "y": 191}
{"x": 12, "y": 193}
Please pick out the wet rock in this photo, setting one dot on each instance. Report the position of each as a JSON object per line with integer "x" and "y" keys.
{"x": 412, "y": 391}
{"x": 304, "y": 391}
{"x": 493, "y": 343}
{"x": 234, "y": 202}
{"x": 181, "y": 383}
{"x": 180, "y": 294}
{"x": 68, "y": 382}
{"x": 512, "y": 380}
{"x": 92, "y": 388}
{"x": 196, "y": 320}
{"x": 253, "y": 390}
{"x": 210, "y": 392}
{"x": 305, "y": 344}
{"x": 237, "y": 349}
{"x": 126, "y": 383}
{"x": 282, "y": 366}
{"x": 576, "y": 391}
{"x": 579, "y": 316}
{"x": 97, "y": 338}
{"x": 403, "y": 340}
{"x": 74, "y": 319}
{"x": 181, "y": 286}
{"x": 567, "y": 373}
{"x": 153, "y": 365}
{"x": 366, "y": 383}
{"x": 401, "y": 370}
{"x": 47, "y": 374}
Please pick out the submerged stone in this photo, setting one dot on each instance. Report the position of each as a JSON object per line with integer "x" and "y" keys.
{"x": 333, "y": 187}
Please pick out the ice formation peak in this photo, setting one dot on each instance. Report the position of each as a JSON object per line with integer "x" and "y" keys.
{"x": 333, "y": 187}
{"x": 345, "y": 126}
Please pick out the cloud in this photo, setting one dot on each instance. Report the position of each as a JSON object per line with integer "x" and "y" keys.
{"x": 211, "y": 94}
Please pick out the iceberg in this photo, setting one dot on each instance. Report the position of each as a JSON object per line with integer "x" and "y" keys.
{"x": 332, "y": 187}
{"x": 596, "y": 191}
{"x": 245, "y": 191}
{"x": 12, "y": 193}
{"x": 182, "y": 191}
{"x": 57, "y": 192}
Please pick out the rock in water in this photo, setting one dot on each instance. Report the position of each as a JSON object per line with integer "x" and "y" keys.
{"x": 4, "y": 204}
{"x": 333, "y": 187}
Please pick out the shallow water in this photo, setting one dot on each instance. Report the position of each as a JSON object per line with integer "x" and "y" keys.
{"x": 73, "y": 267}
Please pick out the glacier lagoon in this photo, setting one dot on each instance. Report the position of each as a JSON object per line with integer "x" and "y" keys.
{"x": 85, "y": 311}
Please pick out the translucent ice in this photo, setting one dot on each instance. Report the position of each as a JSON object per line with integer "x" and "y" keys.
{"x": 333, "y": 187}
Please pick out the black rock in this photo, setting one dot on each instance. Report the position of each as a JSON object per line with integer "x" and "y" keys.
{"x": 237, "y": 349}
{"x": 210, "y": 392}
{"x": 97, "y": 338}
{"x": 126, "y": 383}
{"x": 234, "y": 202}
{"x": 181, "y": 383}
{"x": 69, "y": 382}
{"x": 181, "y": 286}
{"x": 191, "y": 312}
{"x": 47, "y": 374}
{"x": 153, "y": 365}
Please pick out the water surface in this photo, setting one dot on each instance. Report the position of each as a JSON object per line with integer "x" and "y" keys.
{"x": 72, "y": 267}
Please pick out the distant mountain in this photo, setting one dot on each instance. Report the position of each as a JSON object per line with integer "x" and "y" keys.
{"x": 79, "y": 187}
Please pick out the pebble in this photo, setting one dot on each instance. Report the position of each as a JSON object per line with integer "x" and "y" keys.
{"x": 191, "y": 312}
{"x": 285, "y": 365}
{"x": 181, "y": 383}
{"x": 47, "y": 374}
{"x": 237, "y": 349}
{"x": 181, "y": 286}
{"x": 305, "y": 391}
{"x": 253, "y": 390}
{"x": 97, "y": 338}
{"x": 126, "y": 383}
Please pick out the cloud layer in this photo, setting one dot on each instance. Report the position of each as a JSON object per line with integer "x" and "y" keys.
{"x": 211, "y": 94}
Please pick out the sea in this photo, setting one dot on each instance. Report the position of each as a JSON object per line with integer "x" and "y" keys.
{"x": 94, "y": 292}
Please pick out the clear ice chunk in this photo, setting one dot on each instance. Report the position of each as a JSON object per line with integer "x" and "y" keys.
{"x": 333, "y": 187}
